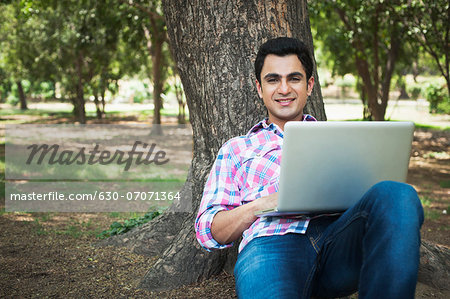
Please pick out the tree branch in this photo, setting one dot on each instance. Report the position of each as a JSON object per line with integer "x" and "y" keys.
{"x": 142, "y": 8}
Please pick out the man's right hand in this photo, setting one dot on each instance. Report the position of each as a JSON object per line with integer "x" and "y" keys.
{"x": 266, "y": 202}
{"x": 228, "y": 226}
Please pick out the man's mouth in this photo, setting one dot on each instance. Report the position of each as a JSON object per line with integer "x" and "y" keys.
{"x": 284, "y": 102}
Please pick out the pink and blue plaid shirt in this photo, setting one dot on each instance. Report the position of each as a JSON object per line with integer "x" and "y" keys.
{"x": 247, "y": 167}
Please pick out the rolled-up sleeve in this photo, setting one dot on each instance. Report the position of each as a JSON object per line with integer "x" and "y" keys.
{"x": 220, "y": 193}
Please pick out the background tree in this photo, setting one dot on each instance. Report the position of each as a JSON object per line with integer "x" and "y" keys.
{"x": 366, "y": 38}
{"x": 27, "y": 50}
{"x": 181, "y": 99}
{"x": 153, "y": 36}
{"x": 66, "y": 41}
{"x": 18, "y": 44}
{"x": 428, "y": 22}
{"x": 86, "y": 46}
{"x": 87, "y": 38}
{"x": 214, "y": 45}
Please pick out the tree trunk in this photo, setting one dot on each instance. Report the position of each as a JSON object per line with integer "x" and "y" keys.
{"x": 97, "y": 105}
{"x": 155, "y": 42}
{"x": 101, "y": 94}
{"x": 22, "y": 98}
{"x": 388, "y": 69}
{"x": 375, "y": 110}
{"x": 214, "y": 47}
{"x": 157, "y": 85}
{"x": 79, "y": 108}
{"x": 403, "y": 93}
{"x": 157, "y": 80}
{"x": 103, "y": 101}
{"x": 434, "y": 265}
{"x": 80, "y": 111}
{"x": 181, "y": 101}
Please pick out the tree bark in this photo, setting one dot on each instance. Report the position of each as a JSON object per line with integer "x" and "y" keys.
{"x": 434, "y": 265}
{"x": 22, "y": 98}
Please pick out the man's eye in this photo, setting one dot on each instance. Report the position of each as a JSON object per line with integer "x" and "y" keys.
{"x": 295, "y": 79}
{"x": 272, "y": 80}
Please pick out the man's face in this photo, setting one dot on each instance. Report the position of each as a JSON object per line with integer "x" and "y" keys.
{"x": 284, "y": 88}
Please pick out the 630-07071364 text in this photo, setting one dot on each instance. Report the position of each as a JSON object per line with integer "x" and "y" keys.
{"x": 98, "y": 195}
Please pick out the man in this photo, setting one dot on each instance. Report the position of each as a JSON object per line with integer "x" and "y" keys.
{"x": 372, "y": 248}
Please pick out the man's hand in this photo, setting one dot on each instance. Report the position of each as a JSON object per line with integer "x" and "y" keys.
{"x": 228, "y": 226}
{"x": 266, "y": 202}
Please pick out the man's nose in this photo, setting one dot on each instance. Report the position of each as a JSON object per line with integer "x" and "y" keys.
{"x": 284, "y": 87}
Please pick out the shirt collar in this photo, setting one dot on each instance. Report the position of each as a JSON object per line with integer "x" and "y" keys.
{"x": 272, "y": 127}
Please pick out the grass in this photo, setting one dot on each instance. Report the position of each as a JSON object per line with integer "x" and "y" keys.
{"x": 36, "y": 112}
{"x": 437, "y": 155}
{"x": 39, "y": 112}
{"x": 431, "y": 214}
{"x": 432, "y": 127}
{"x": 51, "y": 223}
{"x": 46, "y": 217}
{"x": 66, "y": 115}
{"x": 125, "y": 215}
{"x": 444, "y": 184}
{"x": 117, "y": 228}
{"x": 42, "y": 225}
{"x": 114, "y": 214}
{"x": 39, "y": 228}
{"x": 426, "y": 201}
{"x": 417, "y": 125}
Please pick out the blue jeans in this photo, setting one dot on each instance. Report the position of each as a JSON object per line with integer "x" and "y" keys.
{"x": 372, "y": 248}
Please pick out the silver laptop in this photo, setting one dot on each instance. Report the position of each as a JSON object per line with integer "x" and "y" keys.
{"x": 327, "y": 167}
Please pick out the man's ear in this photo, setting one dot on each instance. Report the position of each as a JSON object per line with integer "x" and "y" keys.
{"x": 310, "y": 85}
{"x": 259, "y": 88}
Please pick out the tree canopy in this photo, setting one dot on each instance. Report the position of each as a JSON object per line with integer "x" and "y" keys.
{"x": 375, "y": 39}
{"x": 85, "y": 47}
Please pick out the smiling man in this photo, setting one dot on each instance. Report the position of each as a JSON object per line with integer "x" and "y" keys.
{"x": 372, "y": 248}
{"x": 284, "y": 88}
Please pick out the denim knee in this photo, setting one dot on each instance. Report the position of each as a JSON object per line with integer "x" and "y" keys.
{"x": 397, "y": 200}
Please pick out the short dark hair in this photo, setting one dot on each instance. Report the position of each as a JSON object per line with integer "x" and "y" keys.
{"x": 282, "y": 46}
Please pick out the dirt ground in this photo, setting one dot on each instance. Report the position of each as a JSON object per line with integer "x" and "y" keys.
{"x": 52, "y": 255}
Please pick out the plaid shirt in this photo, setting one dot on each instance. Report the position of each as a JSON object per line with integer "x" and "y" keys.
{"x": 247, "y": 167}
